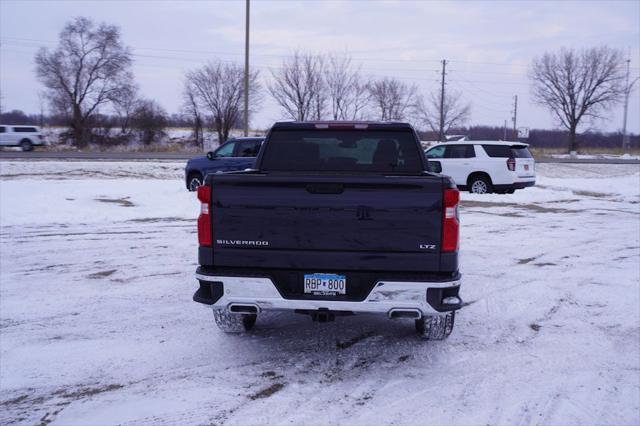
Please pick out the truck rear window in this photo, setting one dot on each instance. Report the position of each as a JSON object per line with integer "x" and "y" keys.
{"x": 506, "y": 151}
{"x": 368, "y": 151}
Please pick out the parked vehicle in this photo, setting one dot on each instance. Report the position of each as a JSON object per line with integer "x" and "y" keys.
{"x": 26, "y": 137}
{"x": 235, "y": 154}
{"x": 337, "y": 218}
{"x": 486, "y": 166}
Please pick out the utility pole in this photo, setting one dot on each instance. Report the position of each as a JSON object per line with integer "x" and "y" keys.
{"x": 0, "y": 90}
{"x": 627, "y": 90}
{"x": 441, "y": 136}
{"x": 515, "y": 117}
{"x": 504, "y": 138}
{"x": 246, "y": 71}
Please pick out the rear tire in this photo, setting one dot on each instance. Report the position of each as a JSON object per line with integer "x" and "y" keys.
{"x": 26, "y": 145}
{"x": 233, "y": 323}
{"x": 436, "y": 327}
{"x": 480, "y": 184}
{"x": 195, "y": 181}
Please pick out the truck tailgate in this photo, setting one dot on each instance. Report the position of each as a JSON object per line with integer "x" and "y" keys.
{"x": 297, "y": 221}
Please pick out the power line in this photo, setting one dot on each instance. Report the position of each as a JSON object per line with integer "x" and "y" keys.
{"x": 471, "y": 86}
{"x": 491, "y": 72}
{"x": 495, "y": 82}
{"x": 515, "y": 115}
{"x": 484, "y": 108}
{"x": 246, "y": 72}
{"x": 282, "y": 55}
{"x": 488, "y": 63}
{"x": 200, "y": 60}
{"x": 350, "y": 53}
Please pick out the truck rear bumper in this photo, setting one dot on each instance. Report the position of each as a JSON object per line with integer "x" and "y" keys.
{"x": 393, "y": 298}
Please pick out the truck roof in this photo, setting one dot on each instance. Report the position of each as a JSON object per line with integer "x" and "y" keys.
{"x": 507, "y": 143}
{"x": 373, "y": 125}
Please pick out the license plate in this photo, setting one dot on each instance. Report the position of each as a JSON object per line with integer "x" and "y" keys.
{"x": 325, "y": 284}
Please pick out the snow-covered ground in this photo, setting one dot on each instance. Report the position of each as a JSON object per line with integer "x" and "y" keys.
{"x": 597, "y": 156}
{"x": 97, "y": 325}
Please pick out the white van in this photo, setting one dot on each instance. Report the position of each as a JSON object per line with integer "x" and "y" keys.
{"x": 26, "y": 137}
{"x": 486, "y": 166}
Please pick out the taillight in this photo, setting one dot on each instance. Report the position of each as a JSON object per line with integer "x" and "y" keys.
{"x": 450, "y": 222}
{"x": 511, "y": 164}
{"x": 204, "y": 220}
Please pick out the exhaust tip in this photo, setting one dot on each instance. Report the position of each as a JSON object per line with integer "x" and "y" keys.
{"x": 405, "y": 313}
{"x": 243, "y": 309}
{"x": 452, "y": 300}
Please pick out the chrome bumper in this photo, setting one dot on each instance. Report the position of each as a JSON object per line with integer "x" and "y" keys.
{"x": 386, "y": 297}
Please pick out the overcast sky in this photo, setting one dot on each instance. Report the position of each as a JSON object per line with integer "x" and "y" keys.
{"x": 489, "y": 44}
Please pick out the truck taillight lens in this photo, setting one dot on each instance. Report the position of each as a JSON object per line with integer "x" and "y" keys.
{"x": 511, "y": 164}
{"x": 450, "y": 222}
{"x": 204, "y": 220}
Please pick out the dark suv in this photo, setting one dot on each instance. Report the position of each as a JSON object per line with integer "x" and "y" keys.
{"x": 235, "y": 154}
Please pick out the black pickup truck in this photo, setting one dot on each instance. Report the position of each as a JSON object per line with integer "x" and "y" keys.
{"x": 337, "y": 218}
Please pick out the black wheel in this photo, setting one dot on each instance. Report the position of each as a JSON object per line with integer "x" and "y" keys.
{"x": 233, "y": 323}
{"x": 26, "y": 145}
{"x": 195, "y": 181}
{"x": 509, "y": 191}
{"x": 437, "y": 327}
{"x": 480, "y": 185}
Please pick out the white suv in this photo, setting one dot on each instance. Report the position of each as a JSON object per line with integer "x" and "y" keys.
{"x": 486, "y": 166}
{"x": 26, "y": 137}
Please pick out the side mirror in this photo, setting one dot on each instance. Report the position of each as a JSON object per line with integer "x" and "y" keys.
{"x": 434, "y": 166}
{"x": 210, "y": 155}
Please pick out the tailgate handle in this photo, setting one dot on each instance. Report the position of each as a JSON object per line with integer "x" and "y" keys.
{"x": 325, "y": 188}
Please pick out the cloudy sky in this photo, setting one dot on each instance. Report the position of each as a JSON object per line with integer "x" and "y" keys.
{"x": 489, "y": 44}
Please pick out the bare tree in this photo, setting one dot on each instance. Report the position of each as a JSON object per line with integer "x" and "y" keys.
{"x": 42, "y": 96}
{"x": 339, "y": 79}
{"x": 299, "y": 87}
{"x": 192, "y": 109}
{"x": 85, "y": 71}
{"x": 577, "y": 84}
{"x": 150, "y": 119}
{"x": 125, "y": 102}
{"x": 455, "y": 112}
{"x": 360, "y": 100}
{"x": 392, "y": 99}
{"x": 348, "y": 92}
{"x": 219, "y": 88}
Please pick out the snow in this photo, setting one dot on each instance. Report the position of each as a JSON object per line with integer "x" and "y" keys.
{"x": 97, "y": 325}
{"x": 625, "y": 156}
